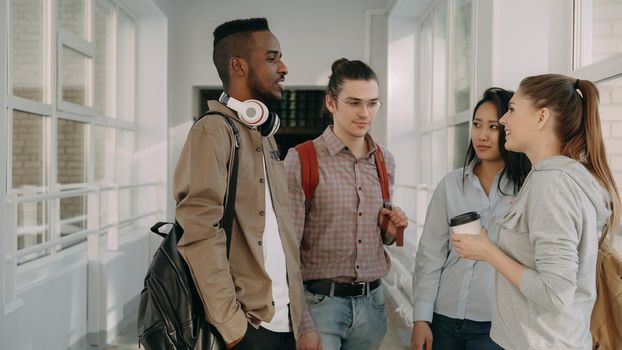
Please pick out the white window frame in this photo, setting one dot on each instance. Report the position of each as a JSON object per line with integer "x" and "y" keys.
{"x": 582, "y": 48}
{"x": 54, "y": 108}
{"x": 426, "y": 124}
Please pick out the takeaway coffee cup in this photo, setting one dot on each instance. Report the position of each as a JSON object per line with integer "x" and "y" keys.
{"x": 467, "y": 223}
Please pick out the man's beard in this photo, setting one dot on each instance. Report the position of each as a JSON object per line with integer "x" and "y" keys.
{"x": 258, "y": 91}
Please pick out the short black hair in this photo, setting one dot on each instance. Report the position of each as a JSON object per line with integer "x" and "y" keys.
{"x": 234, "y": 38}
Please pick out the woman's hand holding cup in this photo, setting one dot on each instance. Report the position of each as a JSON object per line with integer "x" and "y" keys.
{"x": 469, "y": 237}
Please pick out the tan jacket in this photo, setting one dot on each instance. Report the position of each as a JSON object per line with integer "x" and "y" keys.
{"x": 239, "y": 291}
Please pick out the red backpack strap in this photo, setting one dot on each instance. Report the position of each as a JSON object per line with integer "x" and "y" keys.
{"x": 309, "y": 171}
{"x": 383, "y": 175}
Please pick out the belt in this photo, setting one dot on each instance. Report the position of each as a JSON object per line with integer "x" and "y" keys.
{"x": 332, "y": 288}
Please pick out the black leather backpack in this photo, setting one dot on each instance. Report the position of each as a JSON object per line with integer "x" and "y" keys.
{"x": 170, "y": 315}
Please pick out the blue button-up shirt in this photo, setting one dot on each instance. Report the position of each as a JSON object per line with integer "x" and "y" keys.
{"x": 444, "y": 282}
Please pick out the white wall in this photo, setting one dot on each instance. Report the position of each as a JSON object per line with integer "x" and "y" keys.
{"x": 530, "y": 37}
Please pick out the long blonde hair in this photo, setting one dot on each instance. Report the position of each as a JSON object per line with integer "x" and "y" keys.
{"x": 575, "y": 105}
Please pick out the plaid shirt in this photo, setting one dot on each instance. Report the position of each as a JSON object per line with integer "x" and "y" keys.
{"x": 340, "y": 237}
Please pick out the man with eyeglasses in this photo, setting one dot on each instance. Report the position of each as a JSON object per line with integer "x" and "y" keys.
{"x": 341, "y": 243}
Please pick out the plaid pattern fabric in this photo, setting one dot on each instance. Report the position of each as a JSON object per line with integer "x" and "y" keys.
{"x": 340, "y": 237}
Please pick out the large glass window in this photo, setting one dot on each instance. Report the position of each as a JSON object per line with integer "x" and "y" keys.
{"x": 28, "y": 49}
{"x": 461, "y": 56}
{"x": 72, "y": 215}
{"x": 611, "y": 116}
{"x": 425, "y": 169}
{"x": 125, "y": 156}
{"x": 461, "y": 140}
{"x": 125, "y": 65}
{"x": 72, "y": 152}
{"x": 439, "y": 63}
{"x": 33, "y": 227}
{"x": 601, "y": 30}
{"x": 72, "y": 17}
{"x": 444, "y": 71}
{"x": 69, "y": 153}
{"x": 425, "y": 73}
{"x": 75, "y": 77}
{"x": 30, "y": 148}
{"x": 103, "y": 41}
{"x": 104, "y": 154}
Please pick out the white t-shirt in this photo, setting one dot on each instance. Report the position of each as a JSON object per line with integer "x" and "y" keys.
{"x": 274, "y": 263}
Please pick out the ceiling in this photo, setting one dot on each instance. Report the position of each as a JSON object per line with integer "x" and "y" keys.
{"x": 410, "y": 8}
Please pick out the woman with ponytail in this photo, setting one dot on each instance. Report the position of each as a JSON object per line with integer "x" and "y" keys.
{"x": 547, "y": 243}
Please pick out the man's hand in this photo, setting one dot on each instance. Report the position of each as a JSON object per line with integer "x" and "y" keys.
{"x": 422, "y": 335}
{"x": 397, "y": 218}
{"x": 309, "y": 341}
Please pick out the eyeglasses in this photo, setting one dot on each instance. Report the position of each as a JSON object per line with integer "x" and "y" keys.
{"x": 372, "y": 105}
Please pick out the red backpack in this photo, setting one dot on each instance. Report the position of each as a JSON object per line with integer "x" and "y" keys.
{"x": 311, "y": 177}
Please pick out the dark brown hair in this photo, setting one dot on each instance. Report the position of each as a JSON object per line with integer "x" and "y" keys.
{"x": 341, "y": 70}
{"x": 574, "y": 106}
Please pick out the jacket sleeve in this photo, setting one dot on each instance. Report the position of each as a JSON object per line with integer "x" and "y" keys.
{"x": 200, "y": 186}
{"x": 431, "y": 255}
{"x": 296, "y": 194}
{"x": 553, "y": 213}
{"x": 297, "y": 210}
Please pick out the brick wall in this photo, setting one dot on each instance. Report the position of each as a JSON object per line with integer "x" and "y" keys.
{"x": 27, "y": 70}
{"x": 104, "y": 154}
{"x": 102, "y": 28}
{"x": 71, "y": 16}
{"x": 607, "y": 41}
{"x": 71, "y": 152}
{"x": 72, "y": 164}
{"x": 606, "y": 29}
{"x": 29, "y": 150}
{"x": 611, "y": 116}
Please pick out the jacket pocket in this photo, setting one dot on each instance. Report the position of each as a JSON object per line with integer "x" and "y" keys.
{"x": 157, "y": 337}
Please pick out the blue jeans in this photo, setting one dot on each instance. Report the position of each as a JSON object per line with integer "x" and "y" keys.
{"x": 453, "y": 334}
{"x": 349, "y": 323}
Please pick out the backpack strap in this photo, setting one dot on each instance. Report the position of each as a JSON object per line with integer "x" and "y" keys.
{"x": 227, "y": 219}
{"x": 383, "y": 175}
{"x": 309, "y": 171}
{"x": 310, "y": 179}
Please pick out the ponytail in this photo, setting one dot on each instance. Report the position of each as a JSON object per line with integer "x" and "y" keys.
{"x": 594, "y": 154}
{"x": 577, "y": 123}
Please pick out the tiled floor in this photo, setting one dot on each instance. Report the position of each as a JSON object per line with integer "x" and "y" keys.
{"x": 397, "y": 338}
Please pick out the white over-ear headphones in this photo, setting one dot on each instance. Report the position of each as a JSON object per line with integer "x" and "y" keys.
{"x": 253, "y": 113}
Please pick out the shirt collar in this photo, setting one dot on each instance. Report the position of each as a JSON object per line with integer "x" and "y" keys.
{"x": 470, "y": 169}
{"x": 334, "y": 144}
{"x": 469, "y": 172}
{"x": 217, "y": 106}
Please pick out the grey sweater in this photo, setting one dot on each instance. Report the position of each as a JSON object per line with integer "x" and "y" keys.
{"x": 552, "y": 229}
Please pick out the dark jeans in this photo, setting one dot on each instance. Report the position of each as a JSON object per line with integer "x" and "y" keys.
{"x": 452, "y": 334}
{"x": 262, "y": 339}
